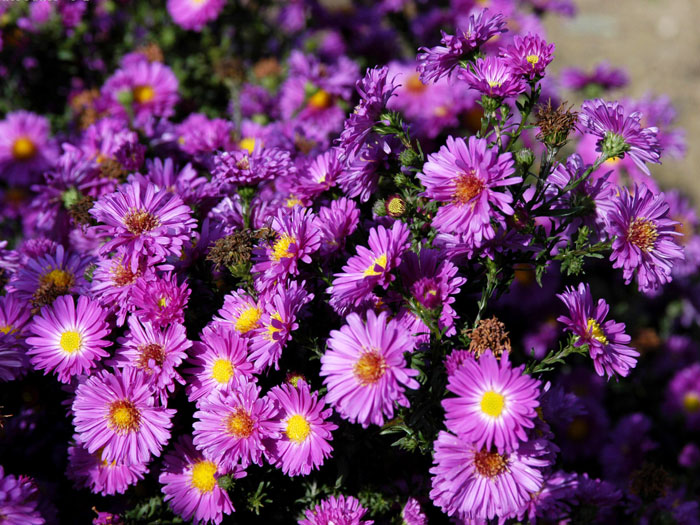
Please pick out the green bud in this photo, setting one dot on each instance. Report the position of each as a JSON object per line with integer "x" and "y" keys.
{"x": 489, "y": 104}
{"x": 379, "y": 208}
{"x": 246, "y": 193}
{"x": 400, "y": 179}
{"x": 614, "y": 145}
{"x": 70, "y": 197}
{"x": 125, "y": 98}
{"x": 525, "y": 157}
{"x": 408, "y": 157}
{"x": 226, "y": 482}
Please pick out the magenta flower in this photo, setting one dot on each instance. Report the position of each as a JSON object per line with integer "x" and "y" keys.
{"x": 18, "y": 500}
{"x": 465, "y": 175}
{"x": 240, "y": 312}
{"x": 364, "y": 368}
{"x": 184, "y": 182}
{"x": 26, "y": 148}
{"x": 189, "y": 480}
{"x": 343, "y": 510}
{"x": 219, "y": 360}
{"x": 529, "y": 56}
{"x": 493, "y": 76}
{"x": 194, "y": 14}
{"x": 606, "y": 340}
{"x": 320, "y": 174}
{"x": 644, "y": 241}
{"x": 89, "y": 470}
{"x": 495, "y": 404}
{"x": 304, "y": 430}
{"x": 336, "y": 223}
{"x": 160, "y": 300}
{"x": 604, "y": 76}
{"x": 118, "y": 414}
{"x": 69, "y": 338}
{"x": 248, "y": 168}
{"x": 370, "y": 267}
{"x": 200, "y": 135}
{"x": 412, "y": 513}
{"x": 147, "y": 222}
{"x": 231, "y": 425}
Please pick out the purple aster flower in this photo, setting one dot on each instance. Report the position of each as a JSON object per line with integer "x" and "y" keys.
{"x": 12, "y": 359}
{"x": 599, "y": 496}
{"x": 336, "y": 223}
{"x": 370, "y": 267}
{"x": 627, "y": 447}
{"x": 553, "y": 500}
{"x": 529, "y": 56}
{"x": 606, "y": 340}
{"x": 147, "y": 222}
{"x": 619, "y": 134}
{"x": 689, "y": 456}
{"x": 660, "y": 113}
{"x": 246, "y": 168}
{"x": 343, "y": 510}
{"x": 603, "y": 76}
{"x": 278, "y": 320}
{"x": 683, "y": 395}
{"x": 465, "y": 175}
{"x": 644, "y": 244}
{"x": 189, "y": 480}
{"x": 240, "y": 312}
{"x": 304, "y": 430}
{"x": 194, "y": 14}
{"x": 297, "y": 239}
{"x": 185, "y": 183}
{"x": 411, "y": 514}
{"x": 113, "y": 281}
{"x": 14, "y": 317}
{"x": 495, "y": 404}
{"x": 101, "y": 477}
{"x": 18, "y": 500}
{"x": 26, "y": 148}
{"x": 231, "y": 426}
{"x": 434, "y": 63}
{"x": 200, "y": 135}
{"x": 360, "y": 176}
{"x": 683, "y": 212}
{"x": 494, "y": 77}
{"x": 364, "y": 368}
{"x": 219, "y": 360}
{"x": 154, "y": 351}
{"x": 160, "y": 300}
{"x": 319, "y": 175}
{"x": 117, "y": 413}
{"x": 69, "y": 338}
{"x": 456, "y": 359}
{"x": 477, "y": 484}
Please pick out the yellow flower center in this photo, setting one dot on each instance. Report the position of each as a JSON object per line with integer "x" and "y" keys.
{"x": 489, "y": 464}
{"x": 298, "y": 428}
{"x": 6, "y": 329}
{"x": 59, "y": 278}
{"x": 143, "y": 94}
{"x": 691, "y": 402}
{"x": 280, "y": 250}
{"x": 271, "y": 329}
{"x": 293, "y": 201}
{"x": 248, "y": 319}
{"x": 124, "y": 417}
{"x": 203, "y": 476}
{"x": 370, "y": 367}
{"x": 378, "y": 261}
{"x": 524, "y": 273}
{"x": 222, "y": 371}
{"x": 578, "y": 429}
{"x": 248, "y": 143}
{"x": 240, "y": 424}
{"x": 70, "y": 341}
{"x": 596, "y": 332}
{"x": 492, "y": 403}
{"x": 467, "y": 187}
{"x": 642, "y": 233}
{"x": 396, "y": 207}
{"x": 414, "y": 84}
{"x": 612, "y": 161}
{"x": 532, "y": 59}
{"x": 441, "y": 111}
{"x": 23, "y": 149}
{"x": 493, "y": 83}
{"x": 321, "y": 100}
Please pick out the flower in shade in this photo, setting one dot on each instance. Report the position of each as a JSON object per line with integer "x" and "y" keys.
{"x": 26, "y": 148}
{"x": 14, "y": 316}
{"x": 412, "y": 513}
{"x": 604, "y": 76}
{"x": 683, "y": 394}
{"x": 682, "y": 210}
{"x": 645, "y": 242}
{"x": 231, "y": 426}
{"x": 18, "y": 500}
{"x": 113, "y": 281}
{"x": 493, "y": 76}
{"x": 495, "y": 404}
{"x": 189, "y": 480}
{"x": 529, "y": 56}
{"x": 619, "y": 134}
{"x": 89, "y": 470}
{"x": 117, "y": 414}
{"x": 12, "y": 360}
{"x": 155, "y": 351}
{"x": 434, "y": 63}
{"x": 600, "y": 497}
{"x": 241, "y": 312}
{"x": 339, "y": 510}
{"x": 160, "y": 300}
{"x": 336, "y": 223}
{"x": 149, "y": 223}
{"x": 194, "y": 14}
{"x": 553, "y": 500}
{"x": 370, "y": 267}
{"x": 360, "y": 175}
{"x": 365, "y": 370}
{"x": 606, "y": 340}
{"x": 478, "y": 484}
{"x": 68, "y": 338}
{"x": 304, "y": 430}
{"x": 465, "y": 175}
{"x": 219, "y": 360}
{"x": 628, "y": 445}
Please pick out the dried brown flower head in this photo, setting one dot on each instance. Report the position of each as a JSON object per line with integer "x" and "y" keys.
{"x": 555, "y": 124}
{"x": 489, "y": 334}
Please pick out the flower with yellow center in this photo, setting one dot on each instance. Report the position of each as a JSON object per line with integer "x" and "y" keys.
{"x": 691, "y": 402}
{"x": 532, "y": 60}
{"x": 321, "y": 100}
{"x": 248, "y": 319}
{"x": 143, "y": 94}
{"x": 414, "y": 84}
{"x": 492, "y": 403}
{"x": 23, "y": 149}
{"x": 222, "y": 371}
{"x": 596, "y": 331}
{"x": 248, "y": 144}
{"x": 58, "y": 278}
{"x": 467, "y": 187}
{"x": 240, "y": 424}
{"x": 378, "y": 261}
{"x": 643, "y": 234}
{"x": 203, "y": 476}
{"x": 280, "y": 250}
{"x": 124, "y": 417}
{"x": 163, "y": 302}
{"x": 6, "y": 329}
{"x": 298, "y": 428}
{"x": 370, "y": 367}
{"x": 271, "y": 328}
{"x": 70, "y": 341}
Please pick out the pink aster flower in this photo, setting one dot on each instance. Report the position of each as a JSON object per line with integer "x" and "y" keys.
{"x": 189, "y": 480}
{"x": 200, "y": 135}
{"x": 89, "y": 470}
{"x": 184, "y": 182}
{"x": 26, "y": 148}
{"x": 231, "y": 426}
{"x": 320, "y": 175}
{"x": 118, "y": 414}
{"x": 154, "y": 351}
{"x": 493, "y": 76}
{"x": 370, "y": 267}
{"x": 160, "y": 300}
{"x": 606, "y": 340}
{"x": 465, "y": 175}
{"x": 304, "y": 430}
{"x": 18, "y": 500}
{"x": 412, "y": 513}
{"x": 68, "y": 338}
{"x": 241, "y": 312}
{"x": 529, "y": 56}
{"x": 194, "y": 14}
{"x": 147, "y": 222}
{"x": 644, "y": 241}
{"x": 477, "y": 484}
{"x": 364, "y": 368}
{"x": 495, "y": 404}
{"x": 343, "y": 510}
{"x": 219, "y": 360}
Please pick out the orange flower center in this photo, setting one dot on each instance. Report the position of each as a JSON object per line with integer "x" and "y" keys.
{"x": 370, "y": 367}
{"x": 489, "y": 464}
{"x": 467, "y": 187}
{"x": 140, "y": 221}
{"x": 150, "y": 351}
{"x": 23, "y": 149}
{"x": 240, "y": 424}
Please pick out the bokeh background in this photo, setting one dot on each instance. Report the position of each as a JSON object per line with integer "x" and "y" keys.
{"x": 658, "y": 43}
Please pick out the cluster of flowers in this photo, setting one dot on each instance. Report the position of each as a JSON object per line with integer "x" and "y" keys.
{"x": 166, "y": 269}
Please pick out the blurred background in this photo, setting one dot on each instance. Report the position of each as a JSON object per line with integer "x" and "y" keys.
{"x": 657, "y": 42}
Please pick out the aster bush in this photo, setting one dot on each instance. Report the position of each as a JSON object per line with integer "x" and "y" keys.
{"x": 304, "y": 262}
